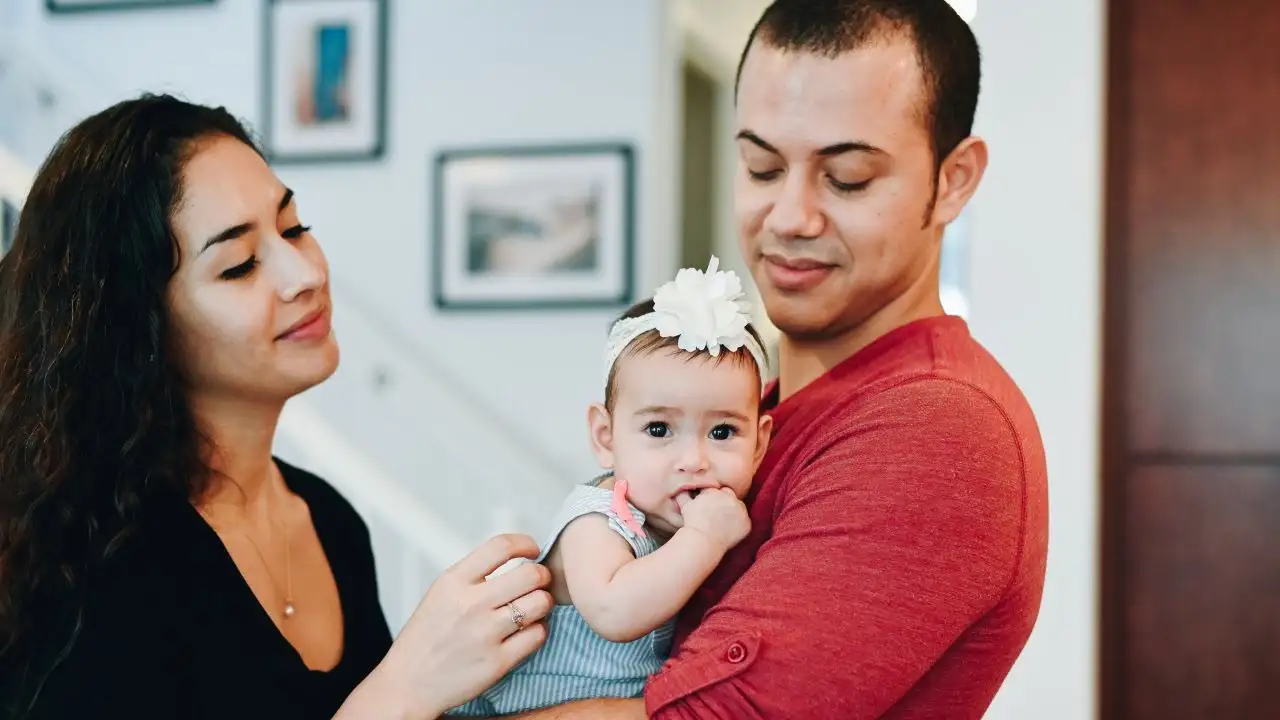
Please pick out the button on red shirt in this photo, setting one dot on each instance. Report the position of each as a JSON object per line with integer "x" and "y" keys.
{"x": 736, "y": 653}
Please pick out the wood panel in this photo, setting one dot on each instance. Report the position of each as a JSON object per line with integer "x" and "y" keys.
{"x": 1202, "y": 586}
{"x": 1203, "y": 225}
{"x": 1191, "y": 443}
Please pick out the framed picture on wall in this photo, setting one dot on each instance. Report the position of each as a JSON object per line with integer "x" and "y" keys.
{"x": 76, "y": 6}
{"x": 326, "y": 80}
{"x": 8, "y": 225}
{"x": 534, "y": 227}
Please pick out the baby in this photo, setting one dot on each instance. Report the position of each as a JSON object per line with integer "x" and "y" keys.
{"x": 680, "y": 436}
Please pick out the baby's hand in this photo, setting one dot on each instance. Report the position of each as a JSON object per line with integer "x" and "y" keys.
{"x": 719, "y": 515}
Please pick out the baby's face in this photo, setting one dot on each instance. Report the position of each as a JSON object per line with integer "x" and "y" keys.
{"x": 682, "y": 423}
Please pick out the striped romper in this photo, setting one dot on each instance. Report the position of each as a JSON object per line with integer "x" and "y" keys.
{"x": 575, "y": 663}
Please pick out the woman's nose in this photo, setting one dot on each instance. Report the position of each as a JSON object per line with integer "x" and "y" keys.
{"x": 299, "y": 272}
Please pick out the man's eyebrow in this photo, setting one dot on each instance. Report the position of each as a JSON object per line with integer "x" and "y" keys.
{"x": 839, "y": 148}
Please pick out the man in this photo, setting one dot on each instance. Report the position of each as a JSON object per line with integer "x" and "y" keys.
{"x": 899, "y": 521}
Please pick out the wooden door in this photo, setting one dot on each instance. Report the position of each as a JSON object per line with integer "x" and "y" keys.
{"x": 1191, "y": 517}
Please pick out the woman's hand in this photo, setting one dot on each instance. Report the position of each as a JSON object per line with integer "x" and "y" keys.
{"x": 462, "y": 637}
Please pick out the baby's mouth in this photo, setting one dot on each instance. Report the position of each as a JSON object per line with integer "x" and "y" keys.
{"x": 684, "y": 497}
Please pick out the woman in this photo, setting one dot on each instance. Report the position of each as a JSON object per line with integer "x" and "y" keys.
{"x": 160, "y": 304}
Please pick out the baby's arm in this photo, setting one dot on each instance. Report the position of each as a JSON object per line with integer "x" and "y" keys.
{"x": 622, "y": 597}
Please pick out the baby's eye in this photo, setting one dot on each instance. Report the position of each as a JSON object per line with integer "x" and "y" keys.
{"x": 723, "y": 432}
{"x": 657, "y": 429}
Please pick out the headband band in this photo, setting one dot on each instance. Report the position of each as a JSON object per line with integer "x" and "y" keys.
{"x": 705, "y": 310}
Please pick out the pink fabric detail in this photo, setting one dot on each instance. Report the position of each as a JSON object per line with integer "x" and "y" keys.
{"x": 622, "y": 510}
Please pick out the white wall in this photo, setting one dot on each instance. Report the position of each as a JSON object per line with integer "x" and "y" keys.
{"x": 462, "y": 72}
{"x": 1037, "y": 222}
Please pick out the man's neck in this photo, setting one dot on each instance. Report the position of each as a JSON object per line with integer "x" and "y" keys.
{"x": 801, "y": 361}
{"x": 241, "y": 435}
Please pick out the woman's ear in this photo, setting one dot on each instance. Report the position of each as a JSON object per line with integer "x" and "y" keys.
{"x": 600, "y": 430}
{"x": 763, "y": 434}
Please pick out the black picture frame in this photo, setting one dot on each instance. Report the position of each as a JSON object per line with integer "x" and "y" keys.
{"x": 72, "y": 7}
{"x": 613, "y": 210}
{"x": 272, "y": 124}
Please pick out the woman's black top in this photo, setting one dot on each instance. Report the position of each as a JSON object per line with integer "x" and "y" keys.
{"x": 174, "y": 631}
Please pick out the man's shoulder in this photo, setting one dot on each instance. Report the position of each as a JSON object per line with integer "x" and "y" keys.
{"x": 934, "y": 429}
{"x": 953, "y": 432}
{"x": 930, "y": 412}
{"x": 923, "y": 427}
{"x": 947, "y": 385}
{"x": 930, "y": 404}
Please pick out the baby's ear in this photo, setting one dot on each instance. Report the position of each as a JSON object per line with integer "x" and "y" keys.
{"x": 763, "y": 434}
{"x": 600, "y": 430}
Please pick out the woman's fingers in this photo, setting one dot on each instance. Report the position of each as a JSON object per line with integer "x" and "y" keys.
{"x": 522, "y": 644}
{"x": 512, "y": 584}
{"x": 493, "y": 554}
{"x": 522, "y": 612}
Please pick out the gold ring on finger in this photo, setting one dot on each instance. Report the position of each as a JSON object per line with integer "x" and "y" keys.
{"x": 517, "y": 617}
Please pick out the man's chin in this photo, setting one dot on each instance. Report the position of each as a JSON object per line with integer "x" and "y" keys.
{"x": 798, "y": 323}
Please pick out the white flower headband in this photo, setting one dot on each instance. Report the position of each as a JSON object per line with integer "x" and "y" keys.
{"x": 705, "y": 310}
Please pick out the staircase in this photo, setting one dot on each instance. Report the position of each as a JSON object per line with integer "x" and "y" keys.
{"x": 429, "y": 501}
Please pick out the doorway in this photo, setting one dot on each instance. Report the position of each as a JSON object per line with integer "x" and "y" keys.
{"x": 698, "y": 160}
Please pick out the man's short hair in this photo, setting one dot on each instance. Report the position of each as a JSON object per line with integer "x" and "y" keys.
{"x": 946, "y": 50}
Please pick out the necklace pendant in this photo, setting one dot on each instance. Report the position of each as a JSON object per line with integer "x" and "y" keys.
{"x": 289, "y": 609}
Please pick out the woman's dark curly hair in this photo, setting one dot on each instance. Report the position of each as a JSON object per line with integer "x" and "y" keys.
{"x": 94, "y": 421}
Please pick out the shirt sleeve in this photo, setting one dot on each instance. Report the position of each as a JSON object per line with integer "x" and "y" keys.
{"x": 899, "y": 529}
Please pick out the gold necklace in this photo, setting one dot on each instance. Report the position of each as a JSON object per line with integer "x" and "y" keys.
{"x": 289, "y": 609}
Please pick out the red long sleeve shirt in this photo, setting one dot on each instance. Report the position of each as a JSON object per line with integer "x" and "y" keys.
{"x": 897, "y": 553}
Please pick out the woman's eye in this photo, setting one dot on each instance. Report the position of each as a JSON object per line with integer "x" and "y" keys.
{"x": 240, "y": 270}
{"x": 295, "y": 232}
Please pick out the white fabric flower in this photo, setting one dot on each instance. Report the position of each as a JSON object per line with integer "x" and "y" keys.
{"x": 704, "y": 309}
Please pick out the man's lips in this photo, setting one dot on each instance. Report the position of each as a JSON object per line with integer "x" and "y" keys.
{"x": 795, "y": 275}
{"x": 797, "y": 264}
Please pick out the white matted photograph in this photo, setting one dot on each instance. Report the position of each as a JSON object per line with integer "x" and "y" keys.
{"x": 325, "y": 84}
{"x": 533, "y": 227}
